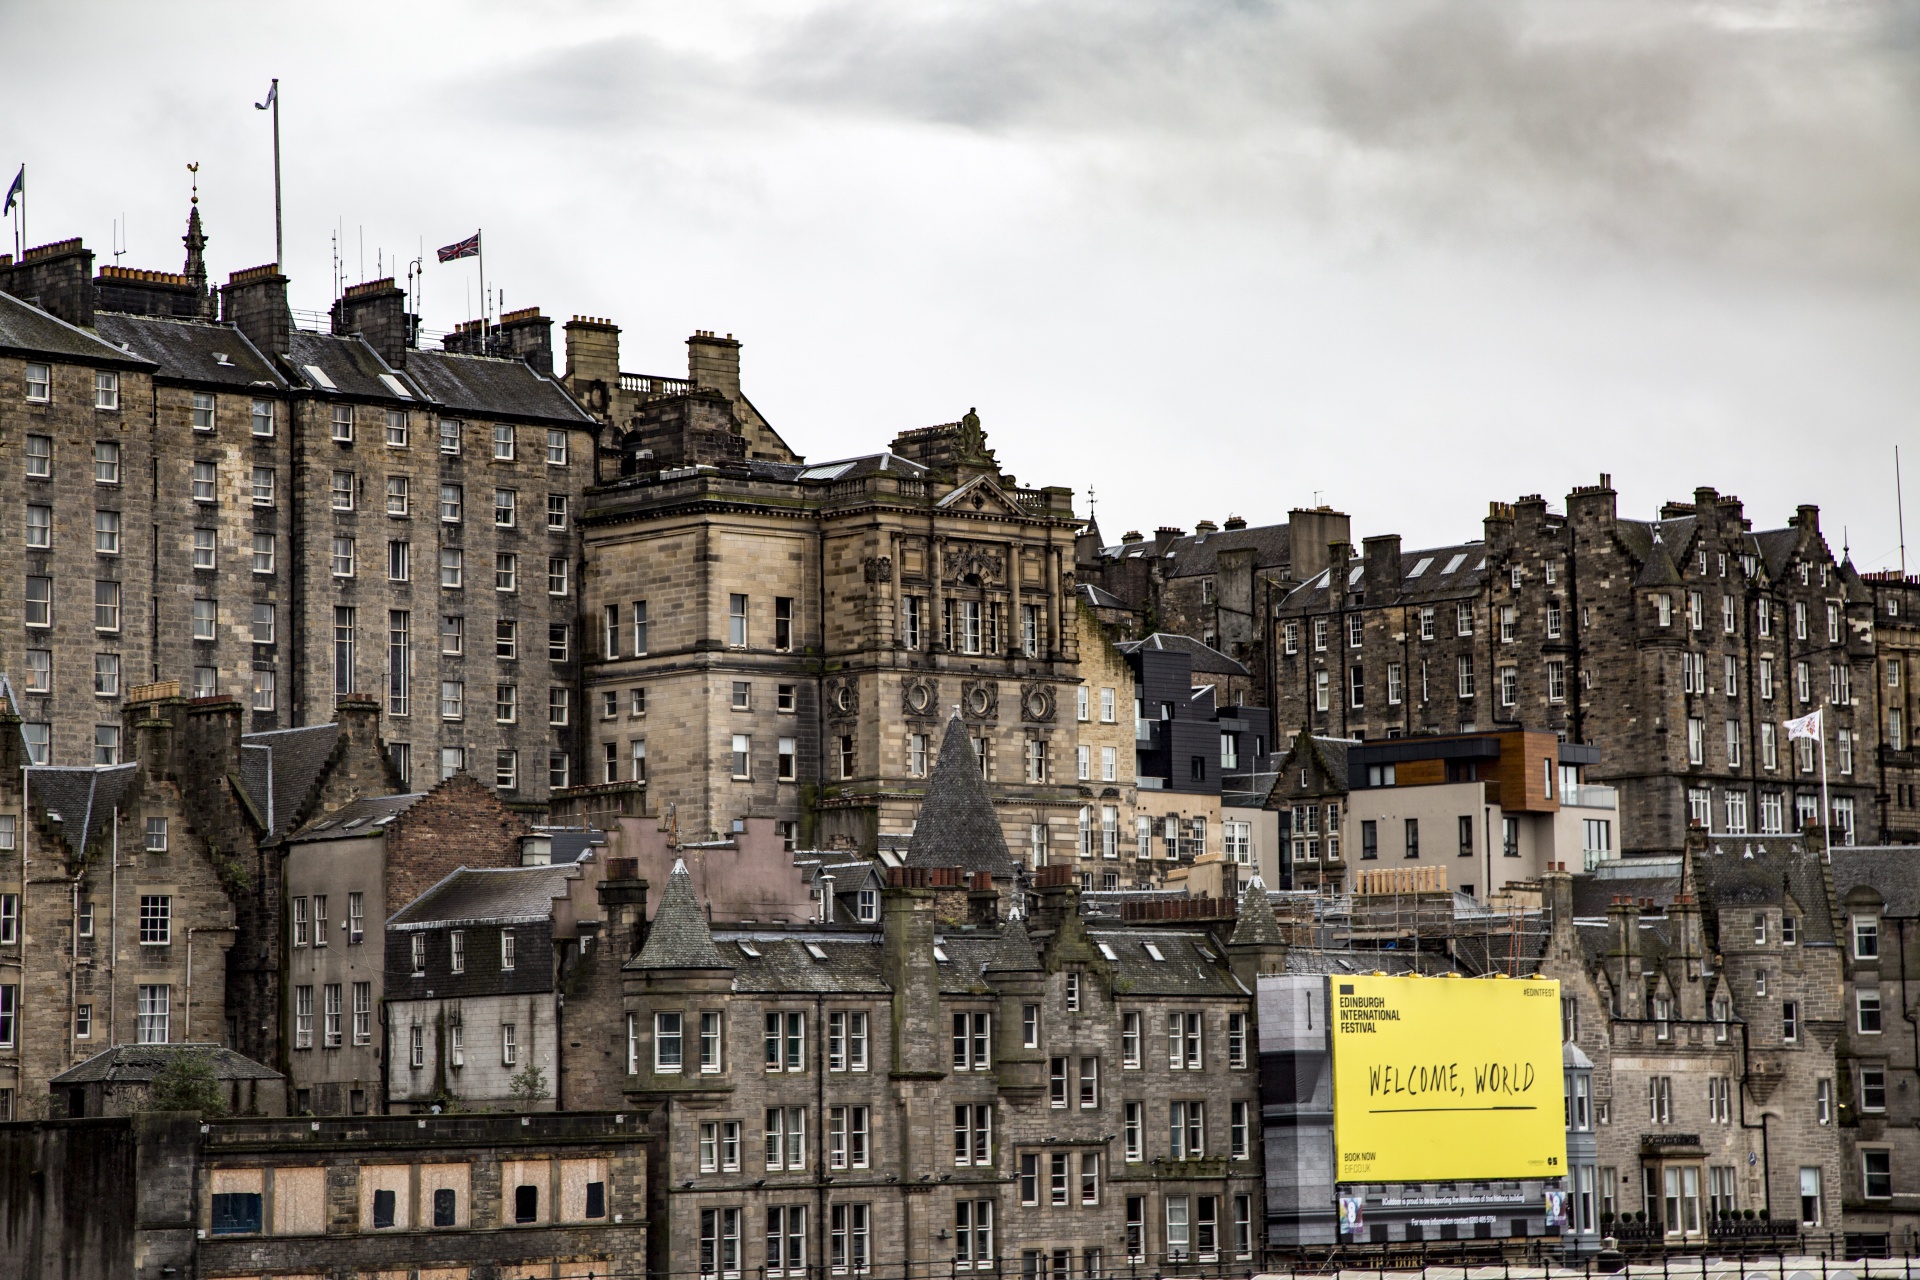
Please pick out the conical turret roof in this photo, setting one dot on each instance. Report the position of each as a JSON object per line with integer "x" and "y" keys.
{"x": 1015, "y": 954}
{"x": 679, "y": 938}
{"x": 1254, "y": 925}
{"x": 958, "y": 827}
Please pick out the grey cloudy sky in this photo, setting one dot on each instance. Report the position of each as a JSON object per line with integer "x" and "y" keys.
{"x": 1208, "y": 258}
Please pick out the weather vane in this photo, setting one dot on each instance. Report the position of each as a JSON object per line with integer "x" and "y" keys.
{"x": 194, "y": 169}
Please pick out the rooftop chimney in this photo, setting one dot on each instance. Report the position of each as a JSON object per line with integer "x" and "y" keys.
{"x": 254, "y": 301}
{"x": 377, "y": 311}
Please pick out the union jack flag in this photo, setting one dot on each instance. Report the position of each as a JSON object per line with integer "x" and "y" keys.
{"x": 468, "y": 248}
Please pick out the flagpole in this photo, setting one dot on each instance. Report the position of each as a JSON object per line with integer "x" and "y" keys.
{"x": 480, "y": 252}
{"x": 1826, "y": 805}
{"x": 279, "y": 252}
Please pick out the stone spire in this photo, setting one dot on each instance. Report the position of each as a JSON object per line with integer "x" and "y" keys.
{"x": 679, "y": 938}
{"x": 957, "y": 826}
{"x": 196, "y": 241}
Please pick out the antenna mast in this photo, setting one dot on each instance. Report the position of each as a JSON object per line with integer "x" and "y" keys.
{"x": 1900, "y": 511}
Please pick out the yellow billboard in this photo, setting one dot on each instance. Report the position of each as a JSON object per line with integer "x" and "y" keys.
{"x": 1447, "y": 1079}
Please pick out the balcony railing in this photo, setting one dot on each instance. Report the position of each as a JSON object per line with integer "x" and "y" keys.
{"x": 1590, "y": 795}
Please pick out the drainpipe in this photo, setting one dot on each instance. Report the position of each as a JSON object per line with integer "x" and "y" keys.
{"x": 113, "y": 935}
{"x": 1766, "y": 1149}
{"x": 186, "y": 1034}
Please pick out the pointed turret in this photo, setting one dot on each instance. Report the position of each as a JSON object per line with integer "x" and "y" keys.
{"x": 958, "y": 827}
{"x": 1015, "y": 954}
{"x": 679, "y": 938}
{"x": 1257, "y": 945}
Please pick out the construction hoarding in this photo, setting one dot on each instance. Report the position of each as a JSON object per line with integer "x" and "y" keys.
{"x": 1446, "y": 1079}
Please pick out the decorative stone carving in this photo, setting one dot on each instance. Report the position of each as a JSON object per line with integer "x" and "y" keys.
{"x": 1037, "y": 703}
{"x": 843, "y": 698}
{"x": 879, "y": 568}
{"x": 920, "y": 696}
{"x": 980, "y": 699}
{"x": 976, "y": 562}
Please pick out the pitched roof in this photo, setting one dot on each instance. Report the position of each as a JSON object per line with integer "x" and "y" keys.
{"x": 280, "y": 769}
{"x": 140, "y": 1063}
{"x": 351, "y": 367}
{"x": 1015, "y": 954}
{"x": 809, "y": 962}
{"x": 1189, "y": 963}
{"x": 1755, "y": 870}
{"x": 1254, "y": 925}
{"x": 679, "y": 937}
{"x": 185, "y": 349}
{"x": 1199, "y": 553}
{"x": 1891, "y": 870}
{"x": 27, "y": 329}
{"x": 491, "y": 385}
{"x": 957, "y": 826}
{"x": 1205, "y": 657}
{"x": 487, "y": 895}
{"x": 363, "y": 817}
{"x": 84, "y": 798}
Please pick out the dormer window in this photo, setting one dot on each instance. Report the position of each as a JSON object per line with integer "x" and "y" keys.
{"x": 866, "y": 905}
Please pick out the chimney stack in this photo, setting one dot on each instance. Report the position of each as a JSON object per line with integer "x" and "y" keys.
{"x": 254, "y": 301}
{"x": 377, "y": 311}
{"x": 528, "y": 335}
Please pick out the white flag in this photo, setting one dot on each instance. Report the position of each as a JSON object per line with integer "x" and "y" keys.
{"x": 1807, "y": 726}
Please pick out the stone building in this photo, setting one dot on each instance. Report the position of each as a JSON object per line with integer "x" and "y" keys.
{"x": 478, "y": 967}
{"x": 1705, "y": 991}
{"x": 1896, "y": 641}
{"x": 785, "y": 640}
{"x": 469, "y": 1197}
{"x": 119, "y": 1081}
{"x": 290, "y": 516}
{"x": 1681, "y": 643}
{"x": 1876, "y": 914}
{"x": 955, "y": 1084}
{"x": 1216, "y": 585}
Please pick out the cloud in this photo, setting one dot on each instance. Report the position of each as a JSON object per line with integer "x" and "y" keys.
{"x": 1784, "y": 135}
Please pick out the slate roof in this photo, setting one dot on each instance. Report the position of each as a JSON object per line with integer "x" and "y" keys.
{"x": 1254, "y": 925}
{"x": 350, "y": 364}
{"x": 1592, "y": 894}
{"x": 1431, "y": 573}
{"x": 851, "y": 468}
{"x": 1637, "y": 536}
{"x": 1756, "y": 870}
{"x": 679, "y": 937}
{"x": 570, "y": 844}
{"x": 1205, "y": 657}
{"x": 1776, "y": 548}
{"x": 184, "y": 349}
{"x": 1199, "y": 553}
{"x": 781, "y": 962}
{"x": 1186, "y": 969}
{"x": 487, "y": 895}
{"x": 1101, "y": 598}
{"x": 140, "y": 1063}
{"x": 1015, "y": 953}
{"x": 1893, "y": 871}
{"x": 26, "y": 329}
{"x": 281, "y": 767}
{"x": 84, "y": 798}
{"x": 363, "y": 817}
{"x": 489, "y": 385}
{"x": 957, "y": 825}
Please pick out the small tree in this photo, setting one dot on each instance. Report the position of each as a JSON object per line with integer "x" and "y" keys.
{"x": 187, "y": 1083}
{"x": 528, "y": 1086}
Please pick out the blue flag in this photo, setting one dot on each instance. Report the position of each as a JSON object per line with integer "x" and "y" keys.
{"x": 14, "y": 192}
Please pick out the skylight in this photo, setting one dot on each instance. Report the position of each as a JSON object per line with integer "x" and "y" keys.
{"x": 1107, "y": 951}
{"x": 1154, "y": 952}
{"x": 813, "y": 949}
{"x": 750, "y": 949}
{"x": 940, "y": 954}
{"x": 1418, "y": 569}
{"x": 319, "y": 376}
{"x": 396, "y": 386}
{"x": 1353, "y": 575}
{"x": 1455, "y": 563}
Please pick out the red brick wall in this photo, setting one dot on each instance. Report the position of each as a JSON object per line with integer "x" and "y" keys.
{"x": 460, "y": 823}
